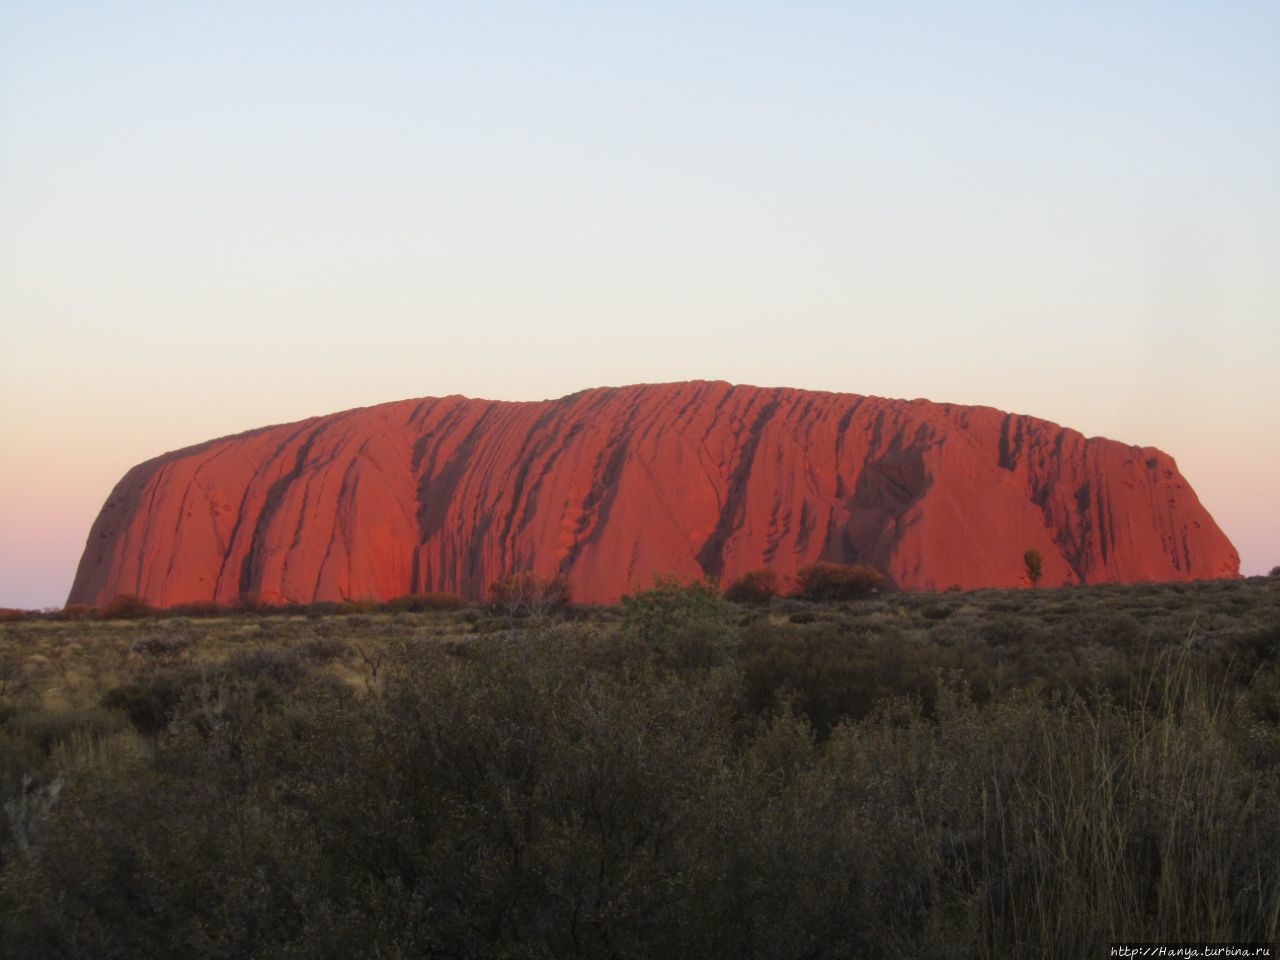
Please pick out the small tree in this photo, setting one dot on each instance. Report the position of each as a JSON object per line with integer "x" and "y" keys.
{"x": 1034, "y": 566}
{"x": 826, "y": 582}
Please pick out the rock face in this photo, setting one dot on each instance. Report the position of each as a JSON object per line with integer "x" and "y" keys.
{"x": 612, "y": 486}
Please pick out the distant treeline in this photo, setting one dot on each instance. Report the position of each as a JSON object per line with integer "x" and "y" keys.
{"x": 520, "y": 593}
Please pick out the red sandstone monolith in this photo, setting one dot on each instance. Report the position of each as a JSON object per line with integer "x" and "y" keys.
{"x": 609, "y": 487}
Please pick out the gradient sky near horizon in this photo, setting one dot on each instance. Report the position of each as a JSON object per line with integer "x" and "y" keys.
{"x": 219, "y": 216}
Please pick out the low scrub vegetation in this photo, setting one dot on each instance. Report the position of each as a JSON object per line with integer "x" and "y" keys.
{"x": 1021, "y": 774}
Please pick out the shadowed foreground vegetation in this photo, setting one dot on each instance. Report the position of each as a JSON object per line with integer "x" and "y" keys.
{"x": 1024, "y": 774}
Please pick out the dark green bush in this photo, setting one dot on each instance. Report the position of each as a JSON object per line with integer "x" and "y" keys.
{"x": 685, "y": 623}
{"x": 755, "y": 586}
{"x": 825, "y": 582}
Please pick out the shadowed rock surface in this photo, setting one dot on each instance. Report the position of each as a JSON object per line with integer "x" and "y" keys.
{"x": 613, "y": 485}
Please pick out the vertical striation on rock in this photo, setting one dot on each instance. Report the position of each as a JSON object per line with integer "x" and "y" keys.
{"x": 611, "y": 486}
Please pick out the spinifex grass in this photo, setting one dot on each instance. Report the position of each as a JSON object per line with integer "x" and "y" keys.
{"x": 1134, "y": 823}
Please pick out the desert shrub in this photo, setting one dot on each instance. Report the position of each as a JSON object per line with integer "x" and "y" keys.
{"x": 831, "y": 676}
{"x": 787, "y": 605}
{"x": 322, "y": 650}
{"x": 13, "y": 675}
{"x": 1262, "y": 699}
{"x": 152, "y": 703}
{"x": 249, "y": 602}
{"x": 198, "y": 609}
{"x": 11, "y": 615}
{"x": 1006, "y": 629}
{"x": 827, "y": 678}
{"x": 527, "y": 594}
{"x": 755, "y": 586}
{"x": 321, "y": 609}
{"x": 149, "y": 702}
{"x": 686, "y": 623}
{"x": 1107, "y": 627}
{"x": 280, "y": 665}
{"x": 937, "y": 611}
{"x": 427, "y": 602}
{"x": 443, "y": 601}
{"x": 951, "y": 633}
{"x": 19, "y": 755}
{"x": 826, "y": 582}
{"x": 48, "y": 728}
{"x": 1260, "y": 644}
{"x": 75, "y": 611}
{"x": 400, "y": 604}
{"x": 161, "y": 645}
{"x": 127, "y": 606}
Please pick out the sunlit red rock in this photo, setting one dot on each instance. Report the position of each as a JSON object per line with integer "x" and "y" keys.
{"x": 612, "y": 486}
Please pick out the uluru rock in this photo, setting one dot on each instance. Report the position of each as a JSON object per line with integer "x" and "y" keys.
{"x": 609, "y": 487}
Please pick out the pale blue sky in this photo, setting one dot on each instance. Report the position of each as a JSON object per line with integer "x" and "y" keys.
{"x": 216, "y": 216}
